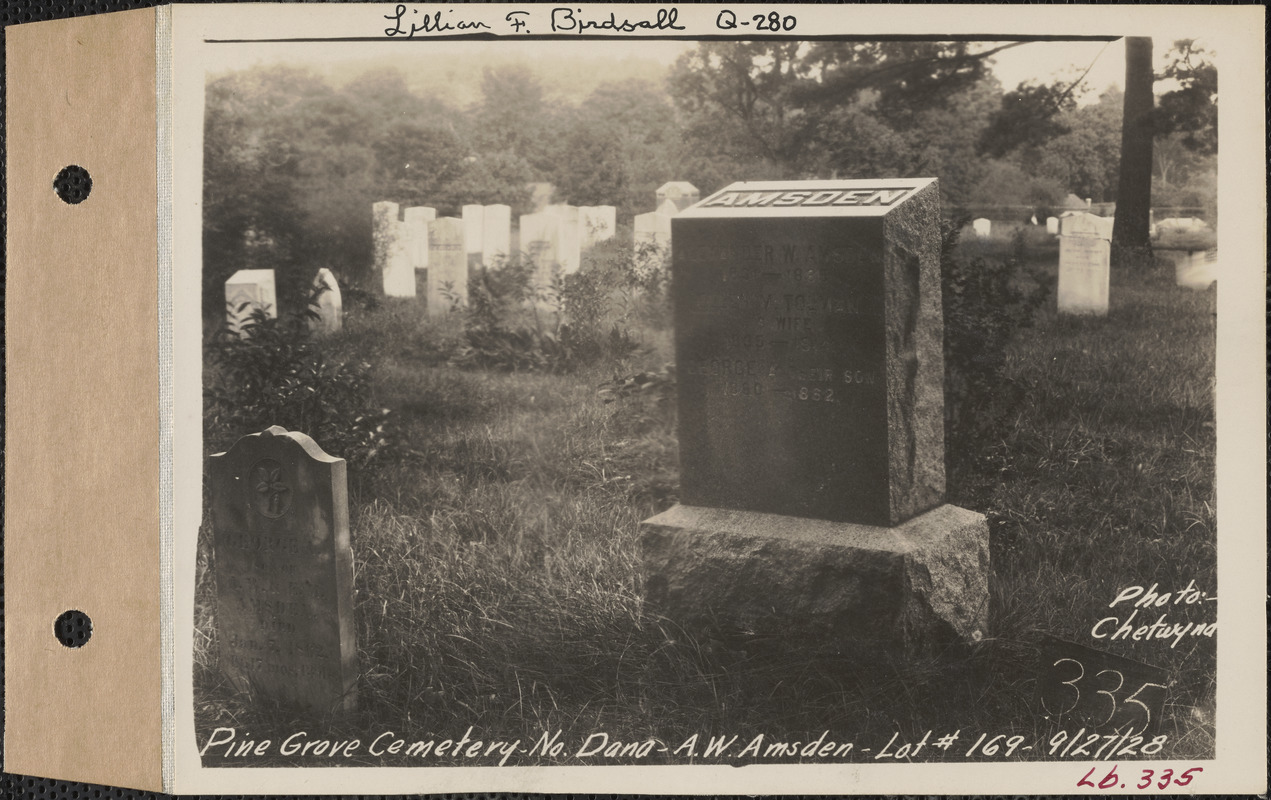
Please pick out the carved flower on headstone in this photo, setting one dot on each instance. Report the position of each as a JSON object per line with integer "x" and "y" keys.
{"x": 274, "y": 493}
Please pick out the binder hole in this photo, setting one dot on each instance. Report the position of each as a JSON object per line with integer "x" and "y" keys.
{"x": 73, "y": 629}
{"x": 73, "y": 184}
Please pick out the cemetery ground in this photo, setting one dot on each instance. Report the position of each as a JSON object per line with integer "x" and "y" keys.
{"x": 497, "y": 567}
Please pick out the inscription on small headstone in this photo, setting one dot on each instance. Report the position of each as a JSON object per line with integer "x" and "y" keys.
{"x": 284, "y": 571}
{"x": 247, "y": 291}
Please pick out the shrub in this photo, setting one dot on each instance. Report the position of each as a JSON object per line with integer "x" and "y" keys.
{"x": 619, "y": 292}
{"x": 584, "y": 317}
{"x": 984, "y": 307}
{"x": 502, "y": 328}
{"x": 277, "y": 374}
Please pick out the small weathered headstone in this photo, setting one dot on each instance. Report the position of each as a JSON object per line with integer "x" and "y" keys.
{"x": 399, "y": 275}
{"x": 497, "y": 233}
{"x": 569, "y": 246}
{"x": 652, "y": 237}
{"x": 474, "y": 234}
{"x": 393, "y": 259}
{"x": 652, "y": 230}
{"x": 329, "y": 304}
{"x": 1052, "y": 226}
{"x": 597, "y": 224}
{"x": 447, "y": 265}
{"x": 284, "y": 571}
{"x": 1084, "y": 258}
{"x": 1197, "y": 269}
{"x": 982, "y": 227}
{"x": 808, "y": 340}
{"x": 417, "y": 219}
{"x": 540, "y": 240}
{"x": 682, "y": 193}
{"x": 246, "y": 291}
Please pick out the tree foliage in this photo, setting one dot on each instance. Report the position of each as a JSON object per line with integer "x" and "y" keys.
{"x": 1030, "y": 116}
{"x": 1192, "y": 109}
{"x": 293, "y": 162}
{"x": 826, "y": 109}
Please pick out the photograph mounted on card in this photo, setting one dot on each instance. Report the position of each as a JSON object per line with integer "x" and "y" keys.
{"x": 580, "y": 401}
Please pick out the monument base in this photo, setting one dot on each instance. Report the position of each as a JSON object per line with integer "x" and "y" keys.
{"x": 918, "y": 586}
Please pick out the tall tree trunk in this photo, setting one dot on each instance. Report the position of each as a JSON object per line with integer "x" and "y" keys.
{"x": 1130, "y": 239}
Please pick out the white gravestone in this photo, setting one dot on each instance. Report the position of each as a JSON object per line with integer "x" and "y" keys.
{"x": 447, "y": 265}
{"x": 474, "y": 234}
{"x": 1084, "y": 255}
{"x": 399, "y": 272}
{"x": 1080, "y": 223}
{"x": 539, "y": 241}
{"x": 1052, "y": 226}
{"x": 1197, "y": 269}
{"x": 597, "y": 224}
{"x": 329, "y": 304}
{"x": 1105, "y": 226}
{"x": 417, "y": 219}
{"x": 981, "y": 227}
{"x": 392, "y": 251}
{"x": 1182, "y": 224}
{"x": 569, "y": 246}
{"x": 496, "y": 232}
{"x": 568, "y": 238}
{"x": 653, "y": 228}
{"x": 652, "y": 237}
{"x": 246, "y": 291}
{"x": 384, "y": 215}
{"x": 682, "y": 194}
{"x": 563, "y": 211}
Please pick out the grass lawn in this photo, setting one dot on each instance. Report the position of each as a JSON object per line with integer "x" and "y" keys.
{"x": 498, "y": 575}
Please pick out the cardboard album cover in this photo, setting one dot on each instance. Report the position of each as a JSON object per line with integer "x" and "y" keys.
{"x": 664, "y": 399}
